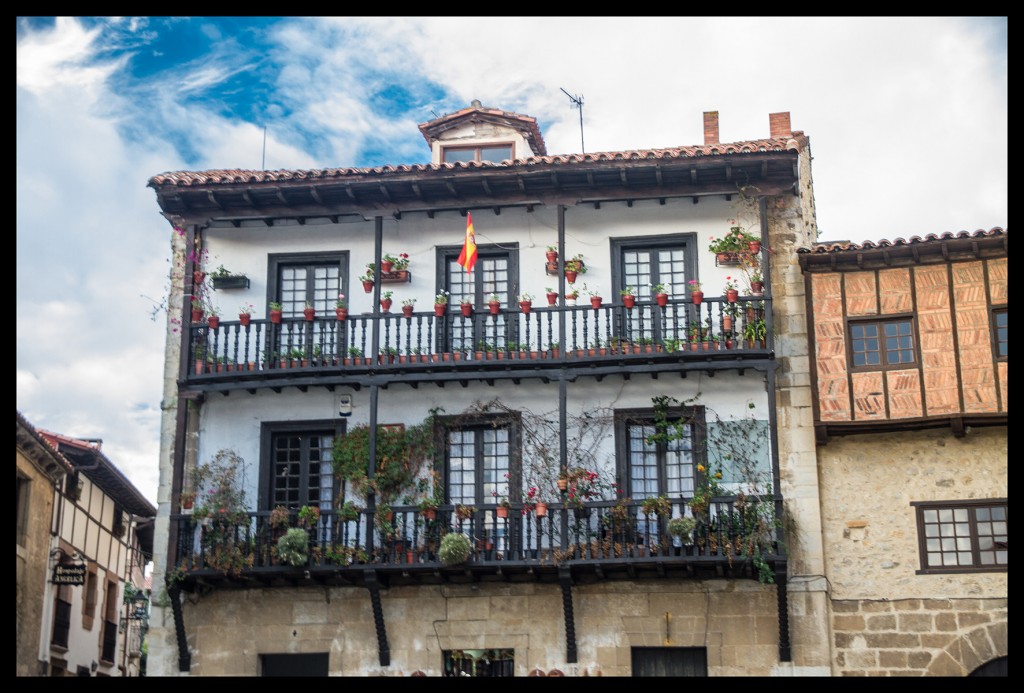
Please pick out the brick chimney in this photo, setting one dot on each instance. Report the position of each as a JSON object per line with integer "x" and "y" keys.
{"x": 710, "y": 127}
{"x": 778, "y": 124}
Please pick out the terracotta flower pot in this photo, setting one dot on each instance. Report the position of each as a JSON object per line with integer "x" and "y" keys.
{"x": 552, "y": 256}
{"x": 407, "y": 311}
{"x": 214, "y": 322}
{"x": 467, "y": 309}
{"x": 570, "y": 276}
{"x": 386, "y": 266}
{"x": 629, "y": 301}
{"x": 755, "y": 246}
{"x": 662, "y": 299}
{"x": 309, "y": 313}
{"x": 757, "y": 288}
{"x": 275, "y": 317}
{"x": 440, "y": 309}
{"x": 368, "y": 286}
{"x": 697, "y": 296}
{"x": 541, "y": 509}
{"x": 245, "y": 318}
{"x": 552, "y": 298}
{"x": 385, "y": 304}
{"x": 595, "y": 302}
{"x": 197, "y": 315}
{"x": 502, "y": 511}
{"x": 727, "y": 323}
{"x": 494, "y": 307}
{"x": 731, "y": 295}
{"x": 341, "y": 313}
{"x": 525, "y": 306}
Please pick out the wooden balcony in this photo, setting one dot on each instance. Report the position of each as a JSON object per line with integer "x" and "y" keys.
{"x": 610, "y": 339}
{"x": 523, "y": 546}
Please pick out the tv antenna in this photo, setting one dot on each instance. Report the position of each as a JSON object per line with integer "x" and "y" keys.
{"x": 577, "y": 102}
{"x": 263, "y": 161}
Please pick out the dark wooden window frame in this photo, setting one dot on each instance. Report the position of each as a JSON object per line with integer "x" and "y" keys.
{"x": 976, "y": 567}
{"x": 479, "y": 423}
{"x": 686, "y": 241}
{"x": 626, "y": 417}
{"x": 269, "y": 429}
{"x": 996, "y": 313}
{"x": 446, "y": 253}
{"x": 276, "y": 260}
{"x": 881, "y": 321}
{"x": 476, "y": 149}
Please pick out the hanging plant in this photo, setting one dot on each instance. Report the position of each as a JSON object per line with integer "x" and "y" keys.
{"x": 400, "y": 454}
{"x": 455, "y": 549}
{"x": 293, "y": 547}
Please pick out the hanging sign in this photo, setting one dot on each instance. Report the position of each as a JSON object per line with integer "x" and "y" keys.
{"x": 69, "y": 574}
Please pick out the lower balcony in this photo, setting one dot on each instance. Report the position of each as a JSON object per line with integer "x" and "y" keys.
{"x": 601, "y": 541}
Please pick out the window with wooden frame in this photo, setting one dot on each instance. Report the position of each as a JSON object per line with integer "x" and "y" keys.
{"x": 481, "y": 459}
{"x": 297, "y": 465}
{"x": 878, "y": 344}
{"x": 493, "y": 152}
{"x": 1000, "y": 332}
{"x": 651, "y": 467}
{"x": 962, "y": 536}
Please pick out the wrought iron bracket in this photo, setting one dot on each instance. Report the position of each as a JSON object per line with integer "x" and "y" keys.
{"x": 383, "y": 650}
{"x": 565, "y": 580}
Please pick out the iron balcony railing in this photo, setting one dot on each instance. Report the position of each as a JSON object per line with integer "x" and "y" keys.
{"x": 680, "y": 330}
{"x": 729, "y": 531}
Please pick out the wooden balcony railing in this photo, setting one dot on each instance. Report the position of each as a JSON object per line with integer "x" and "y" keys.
{"x": 680, "y": 330}
{"x": 727, "y": 536}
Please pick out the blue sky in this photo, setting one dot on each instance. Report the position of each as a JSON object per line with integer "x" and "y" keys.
{"x": 907, "y": 119}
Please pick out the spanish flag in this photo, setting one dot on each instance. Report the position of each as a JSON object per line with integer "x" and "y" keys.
{"x": 467, "y": 258}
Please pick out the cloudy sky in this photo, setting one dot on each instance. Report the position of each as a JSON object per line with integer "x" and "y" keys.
{"x": 907, "y": 119}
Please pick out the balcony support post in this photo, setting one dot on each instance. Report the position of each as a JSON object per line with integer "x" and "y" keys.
{"x": 785, "y": 651}
{"x": 184, "y": 656}
{"x": 383, "y": 650}
{"x": 565, "y": 581}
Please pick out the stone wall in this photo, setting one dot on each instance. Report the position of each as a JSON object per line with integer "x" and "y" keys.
{"x": 887, "y": 618}
{"x": 32, "y": 567}
{"x": 918, "y": 637}
{"x": 737, "y": 621}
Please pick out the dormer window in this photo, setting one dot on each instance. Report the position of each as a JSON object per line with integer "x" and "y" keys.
{"x": 487, "y": 152}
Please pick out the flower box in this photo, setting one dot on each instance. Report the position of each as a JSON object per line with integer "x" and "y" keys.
{"x": 230, "y": 282}
{"x": 399, "y": 277}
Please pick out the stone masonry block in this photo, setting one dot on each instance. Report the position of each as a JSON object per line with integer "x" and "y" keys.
{"x": 881, "y": 622}
{"x": 916, "y": 623}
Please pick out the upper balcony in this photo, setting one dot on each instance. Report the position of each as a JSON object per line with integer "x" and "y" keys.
{"x": 610, "y": 339}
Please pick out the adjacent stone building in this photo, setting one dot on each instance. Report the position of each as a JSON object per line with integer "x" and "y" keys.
{"x": 910, "y": 380}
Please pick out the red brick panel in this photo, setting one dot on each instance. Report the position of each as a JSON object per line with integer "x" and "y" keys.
{"x": 935, "y": 332}
{"x": 868, "y": 396}
{"x": 974, "y": 331}
{"x": 830, "y": 348}
{"x": 894, "y": 291}
{"x": 904, "y": 388}
{"x": 861, "y": 294}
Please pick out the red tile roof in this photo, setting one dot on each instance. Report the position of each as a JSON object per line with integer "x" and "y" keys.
{"x": 844, "y": 246}
{"x": 236, "y": 176}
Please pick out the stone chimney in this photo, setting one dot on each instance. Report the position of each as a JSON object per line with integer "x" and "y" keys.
{"x": 710, "y": 127}
{"x": 778, "y": 124}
